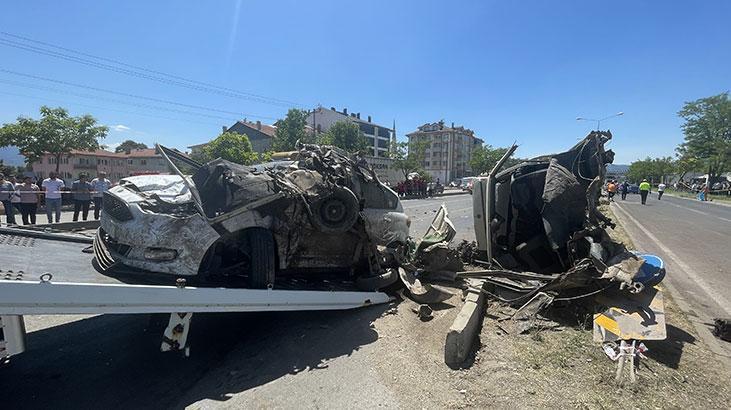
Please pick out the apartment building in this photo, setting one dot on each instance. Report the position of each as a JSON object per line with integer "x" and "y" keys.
{"x": 379, "y": 137}
{"x": 448, "y": 149}
{"x": 116, "y": 165}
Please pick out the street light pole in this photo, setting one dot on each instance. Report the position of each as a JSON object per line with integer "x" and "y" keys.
{"x": 599, "y": 121}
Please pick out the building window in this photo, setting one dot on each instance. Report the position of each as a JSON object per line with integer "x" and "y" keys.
{"x": 367, "y": 129}
{"x": 143, "y": 162}
{"x": 383, "y": 132}
{"x": 382, "y": 143}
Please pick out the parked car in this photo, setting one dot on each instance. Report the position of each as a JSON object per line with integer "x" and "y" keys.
{"x": 467, "y": 183}
{"x": 318, "y": 212}
{"x": 633, "y": 189}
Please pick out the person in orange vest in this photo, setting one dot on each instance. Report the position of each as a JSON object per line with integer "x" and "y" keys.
{"x": 611, "y": 190}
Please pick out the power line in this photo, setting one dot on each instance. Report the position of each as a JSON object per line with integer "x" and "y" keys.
{"x": 154, "y": 75}
{"x": 36, "y": 77}
{"x": 96, "y": 97}
{"x": 70, "y": 50}
{"x": 98, "y": 107}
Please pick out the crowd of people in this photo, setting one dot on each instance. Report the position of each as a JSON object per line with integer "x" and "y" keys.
{"x": 417, "y": 188}
{"x": 612, "y": 187}
{"x": 24, "y": 195}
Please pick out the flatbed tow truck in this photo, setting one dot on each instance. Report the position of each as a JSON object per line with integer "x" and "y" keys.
{"x": 67, "y": 284}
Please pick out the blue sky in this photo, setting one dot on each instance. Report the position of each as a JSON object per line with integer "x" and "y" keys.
{"x": 511, "y": 71}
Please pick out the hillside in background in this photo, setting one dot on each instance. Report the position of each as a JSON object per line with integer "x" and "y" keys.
{"x": 11, "y": 156}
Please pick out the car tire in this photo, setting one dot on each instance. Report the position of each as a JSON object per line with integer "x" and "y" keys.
{"x": 263, "y": 262}
{"x": 336, "y": 212}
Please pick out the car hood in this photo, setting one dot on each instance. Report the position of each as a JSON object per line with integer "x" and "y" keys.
{"x": 166, "y": 188}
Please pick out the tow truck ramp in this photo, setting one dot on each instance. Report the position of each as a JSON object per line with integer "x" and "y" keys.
{"x": 18, "y": 298}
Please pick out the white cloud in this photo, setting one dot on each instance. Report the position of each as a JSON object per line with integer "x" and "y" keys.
{"x": 121, "y": 128}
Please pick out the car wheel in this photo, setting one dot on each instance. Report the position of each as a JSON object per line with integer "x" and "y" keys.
{"x": 336, "y": 212}
{"x": 263, "y": 263}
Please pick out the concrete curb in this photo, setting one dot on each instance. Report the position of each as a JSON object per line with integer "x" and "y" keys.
{"x": 465, "y": 328}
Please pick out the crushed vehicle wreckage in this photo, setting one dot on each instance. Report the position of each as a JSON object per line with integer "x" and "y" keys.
{"x": 541, "y": 240}
{"x": 322, "y": 217}
{"x": 538, "y": 227}
{"x": 316, "y": 211}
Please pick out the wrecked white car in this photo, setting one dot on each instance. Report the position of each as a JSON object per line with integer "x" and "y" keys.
{"x": 317, "y": 212}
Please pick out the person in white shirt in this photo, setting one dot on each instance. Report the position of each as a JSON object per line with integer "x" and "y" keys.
{"x": 660, "y": 190}
{"x": 100, "y": 185}
{"x": 52, "y": 189}
{"x": 15, "y": 200}
{"x": 7, "y": 191}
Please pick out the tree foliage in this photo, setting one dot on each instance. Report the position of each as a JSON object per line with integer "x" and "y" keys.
{"x": 55, "y": 133}
{"x": 652, "y": 169}
{"x": 129, "y": 145}
{"x": 408, "y": 157}
{"x": 485, "y": 157}
{"x": 230, "y": 146}
{"x": 707, "y": 130}
{"x": 345, "y": 135}
{"x": 10, "y": 170}
{"x": 290, "y": 130}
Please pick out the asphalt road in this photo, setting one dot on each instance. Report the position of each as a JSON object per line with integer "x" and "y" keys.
{"x": 459, "y": 209}
{"x": 291, "y": 360}
{"x": 694, "y": 240}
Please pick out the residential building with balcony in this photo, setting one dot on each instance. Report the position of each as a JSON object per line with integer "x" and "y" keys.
{"x": 448, "y": 150}
{"x": 378, "y": 137}
{"x": 116, "y": 165}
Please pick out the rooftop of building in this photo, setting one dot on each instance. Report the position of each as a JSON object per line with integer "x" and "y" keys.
{"x": 268, "y": 130}
{"x": 354, "y": 116}
{"x": 440, "y": 126}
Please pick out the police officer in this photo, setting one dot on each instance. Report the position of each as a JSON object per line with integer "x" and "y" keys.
{"x": 644, "y": 190}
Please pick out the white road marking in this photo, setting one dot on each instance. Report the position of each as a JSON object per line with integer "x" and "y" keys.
{"x": 699, "y": 212}
{"x": 689, "y": 272}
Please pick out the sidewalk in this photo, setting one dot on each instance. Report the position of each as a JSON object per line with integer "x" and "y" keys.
{"x": 66, "y": 216}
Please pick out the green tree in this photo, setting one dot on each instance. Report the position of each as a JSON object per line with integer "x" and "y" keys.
{"x": 345, "y": 135}
{"x": 408, "y": 157}
{"x": 652, "y": 169}
{"x": 290, "y": 130}
{"x": 485, "y": 157}
{"x": 230, "y": 146}
{"x": 707, "y": 130}
{"x": 129, "y": 145}
{"x": 56, "y": 133}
